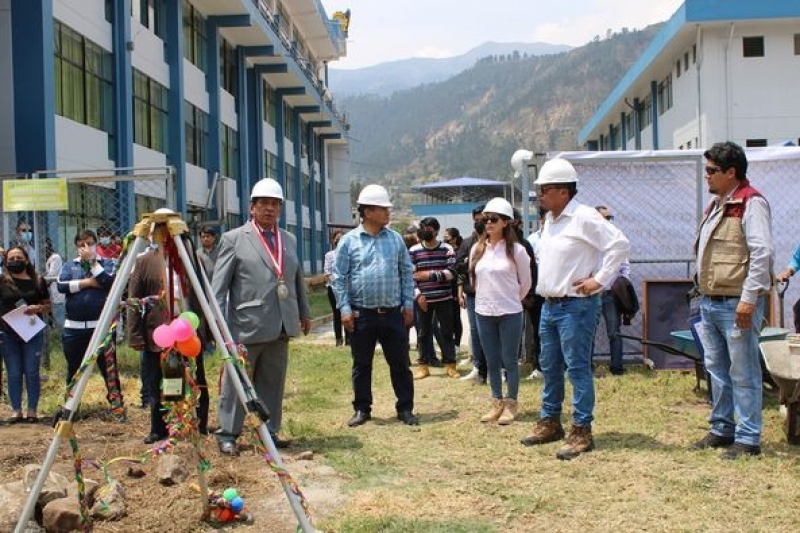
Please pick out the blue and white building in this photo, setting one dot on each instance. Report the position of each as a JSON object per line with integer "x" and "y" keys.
{"x": 718, "y": 70}
{"x": 212, "y": 88}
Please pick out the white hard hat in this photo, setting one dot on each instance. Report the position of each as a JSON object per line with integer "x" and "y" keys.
{"x": 557, "y": 171}
{"x": 267, "y": 188}
{"x": 500, "y": 206}
{"x": 164, "y": 211}
{"x": 374, "y": 195}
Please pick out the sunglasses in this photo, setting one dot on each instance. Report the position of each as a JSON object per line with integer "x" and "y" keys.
{"x": 713, "y": 170}
{"x": 494, "y": 219}
{"x": 609, "y": 217}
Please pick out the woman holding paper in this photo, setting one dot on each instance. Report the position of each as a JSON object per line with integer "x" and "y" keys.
{"x": 23, "y": 300}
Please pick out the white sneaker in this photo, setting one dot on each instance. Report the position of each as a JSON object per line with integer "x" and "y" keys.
{"x": 535, "y": 375}
{"x": 472, "y": 374}
{"x": 465, "y": 361}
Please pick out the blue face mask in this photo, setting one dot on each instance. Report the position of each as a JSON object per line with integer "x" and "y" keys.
{"x": 26, "y": 236}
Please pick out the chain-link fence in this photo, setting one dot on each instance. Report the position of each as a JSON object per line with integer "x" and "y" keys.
{"x": 113, "y": 199}
{"x": 658, "y": 199}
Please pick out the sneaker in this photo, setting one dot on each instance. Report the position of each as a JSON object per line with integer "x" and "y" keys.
{"x": 472, "y": 374}
{"x": 546, "y": 430}
{"x": 536, "y": 374}
{"x": 711, "y": 440}
{"x": 738, "y": 449}
{"x": 579, "y": 441}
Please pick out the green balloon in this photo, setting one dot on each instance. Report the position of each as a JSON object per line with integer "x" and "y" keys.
{"x": 230, "y": 493}
{"x": 191, "y": 318}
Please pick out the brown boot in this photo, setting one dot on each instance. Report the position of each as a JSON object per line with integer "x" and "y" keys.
{"x": 509, "y": 412}
{"x": 546, "y": 430}
{"x": 452, "y": 372}
{"x": 422, "y": 372}
{"x": 495, "y": 412}
{"x": 579, "y": 441}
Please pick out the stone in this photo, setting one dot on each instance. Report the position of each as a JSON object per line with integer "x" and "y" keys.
{"x": 110, "y": 502}
{"x": 172, "y": 470}
{"x": 62, "y": 515}
{"x": 307, "y": 455}
{"x": 12, "y": 500}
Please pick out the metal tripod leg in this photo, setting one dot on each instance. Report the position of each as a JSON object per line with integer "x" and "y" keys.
{"x": 64, "y": 425}
{"x": 241, "y": 382}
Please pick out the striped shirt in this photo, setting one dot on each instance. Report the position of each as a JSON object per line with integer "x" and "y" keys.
{"x": 372, "y": 271}
{"x": 440, "y": 263}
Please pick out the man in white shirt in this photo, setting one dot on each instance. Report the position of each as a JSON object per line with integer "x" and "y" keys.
{"x": 579, "y": 253}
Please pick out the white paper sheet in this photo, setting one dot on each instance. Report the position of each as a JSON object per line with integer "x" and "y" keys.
{"x": 26, "y": 326}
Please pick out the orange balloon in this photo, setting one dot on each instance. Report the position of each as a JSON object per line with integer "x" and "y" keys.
{"x": 191, "y": 347}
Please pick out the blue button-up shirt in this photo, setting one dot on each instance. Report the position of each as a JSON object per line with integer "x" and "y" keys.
{"x": 372, "y": 271}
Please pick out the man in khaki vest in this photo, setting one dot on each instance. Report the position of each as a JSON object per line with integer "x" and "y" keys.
{"x": 734, "y": 268}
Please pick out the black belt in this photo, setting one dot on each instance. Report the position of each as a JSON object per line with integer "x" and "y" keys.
{"x": 559, "y": 299}
{"x": 377, "y": 310}
{"x": 719, "y": 298}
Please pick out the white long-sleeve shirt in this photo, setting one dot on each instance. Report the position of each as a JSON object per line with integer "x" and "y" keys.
{"x": 500, "y": 284}
{"x": 577, "y": 245}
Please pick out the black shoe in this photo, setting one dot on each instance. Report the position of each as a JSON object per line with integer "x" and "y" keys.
{"x": 480, "y": 380}
{"x": 279, "y": 442}
{"x": 359, "y": 418}
{"x": 408, "y": 418}
{"x": 153, "y": 437}
{"x": 616, "y": 371}
{"x": 711, "y": 440}
{"x": 228, "y": 447}
{"x": 338, "y": 342}
{"x": 737, "y": 449}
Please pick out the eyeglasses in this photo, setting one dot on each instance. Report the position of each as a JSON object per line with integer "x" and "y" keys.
{"x": 609, "y": 217}
{"x": 544, "y": 189}
{"x": 713, "y": 170}
{"x": 494, "y": 219}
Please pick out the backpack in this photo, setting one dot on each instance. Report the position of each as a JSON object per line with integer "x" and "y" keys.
{"x": 625, "y": 299}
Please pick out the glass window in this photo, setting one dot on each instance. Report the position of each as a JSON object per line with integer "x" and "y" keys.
{"x": 228, "y": 78}
{"x": 149, "y": 112}
{"x": 230, "y": 152}
{"x": 288, "y": 123}
{"x": 196, "y": 135}
{"x": 291, "y": 188}
{"x": 269, "y": 104}
{"x": 194, "y": 36}
{"x": 306, "y": 190}
{"x": 753, "y": 46}
{"x": 271, "y": 165}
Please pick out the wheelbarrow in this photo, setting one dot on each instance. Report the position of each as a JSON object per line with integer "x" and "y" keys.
{"x": 782, "y": 358}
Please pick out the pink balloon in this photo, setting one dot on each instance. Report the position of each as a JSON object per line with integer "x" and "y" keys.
{"x": 182, "y": 329}
{"x": 163, "y": 336}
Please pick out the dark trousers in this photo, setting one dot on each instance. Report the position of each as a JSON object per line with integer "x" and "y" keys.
{"x": 151, "y": 370}
{"x": 387, "y": 328}
{"x": 796, "y": 310}
{"x": 443, "y": 311}
{"x": 337, "y": 318}
{"x": 75, "y": 342}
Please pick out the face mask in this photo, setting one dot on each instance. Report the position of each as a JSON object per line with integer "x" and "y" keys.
{"x": 93, "y": 248}
{"x": 16, "y": 267}
{"x": 105, "y": 241}
{"x": 26, "y": 236}
{"x": 480, "y": 227}
{"x": 426, "y": 235}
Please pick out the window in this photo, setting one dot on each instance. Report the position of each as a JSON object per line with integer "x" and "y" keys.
{"x": 269, "y": 104}
{"x": 755, "y": 143}
{"x": 194, "y": 36}
{"x": 306, "y": 244}
{"x": 150, "y": 14}
{"x": 288, "y": 122}
{"x": 678, "y": 68}
{"x": 665, "y": 94}
{"x": 685, "y": 61}
{"x": 291, "y": 189}
{"x": 694, "y": 54}
{"x": 645, "y": 113}
{"x": 196, "y": 135}
{"x": 83, "y": 80}
{"x": 270, "y": 165}
{"x": 228, "y": 78}
{"x": 629, "y": 125}
{"x": 306, "y": 190}
{"x": 150, "y": 110}
{"x": 797, "y": 44}
{"x": 318, "y": 195}
{"x": 753, "y": 46}
{"x": 230, "y": 152}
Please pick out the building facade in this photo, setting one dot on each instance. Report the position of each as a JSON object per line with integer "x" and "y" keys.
{"x": 222, "y": 92}
{"x": 718, "y": 70}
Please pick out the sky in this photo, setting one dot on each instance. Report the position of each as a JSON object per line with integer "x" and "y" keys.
{"x": 385, "y": 30}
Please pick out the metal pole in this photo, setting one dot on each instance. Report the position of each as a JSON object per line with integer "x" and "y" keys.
{"x": 240, "y": 380}
{"x": 63, "y": 427}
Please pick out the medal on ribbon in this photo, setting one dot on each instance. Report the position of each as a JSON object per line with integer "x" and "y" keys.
{"x": 276, "y": 257}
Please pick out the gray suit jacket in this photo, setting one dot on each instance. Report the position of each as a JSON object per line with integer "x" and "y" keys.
{"x": 245, "y": 283}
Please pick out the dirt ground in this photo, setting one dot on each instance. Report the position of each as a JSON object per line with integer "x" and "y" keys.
{"x": 152, "y": 506}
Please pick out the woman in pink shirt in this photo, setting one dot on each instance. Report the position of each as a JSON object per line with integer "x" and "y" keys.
{"x": 500, "y": 269}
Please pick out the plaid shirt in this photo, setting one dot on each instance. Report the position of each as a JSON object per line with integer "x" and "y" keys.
{"x": 372, "y": 271}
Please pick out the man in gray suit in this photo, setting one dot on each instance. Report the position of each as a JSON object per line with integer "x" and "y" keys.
{"x": 259, "y": 281}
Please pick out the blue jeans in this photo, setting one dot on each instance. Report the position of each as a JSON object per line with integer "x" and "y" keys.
{"x": 611, "y": 318}
{"x": 567, "y": 332}
{"x": 734, "y": 365}
{"x": 500, "y": 337}
{"x": 22, "y": 359}
{"x": 478, "y": 358}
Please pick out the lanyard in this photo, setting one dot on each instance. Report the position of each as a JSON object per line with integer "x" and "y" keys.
{"x": 277, "y": 256}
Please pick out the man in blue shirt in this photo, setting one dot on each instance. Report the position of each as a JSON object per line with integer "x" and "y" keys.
{"x": 86, "y": 281}
{"x": 374, "y": 289}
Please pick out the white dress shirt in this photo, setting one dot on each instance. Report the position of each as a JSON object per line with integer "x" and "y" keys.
{"x": 501, "y": 284}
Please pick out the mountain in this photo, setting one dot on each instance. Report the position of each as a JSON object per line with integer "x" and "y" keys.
{"x": 385, "y": 78}
{"x": 471, "y": 123}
